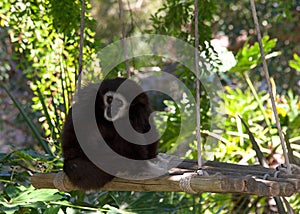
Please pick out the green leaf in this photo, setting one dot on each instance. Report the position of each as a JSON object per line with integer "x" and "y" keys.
{"x": 24, "y": 155}
{"x": 32, "y": 195}
{"x": 295, "y": 63}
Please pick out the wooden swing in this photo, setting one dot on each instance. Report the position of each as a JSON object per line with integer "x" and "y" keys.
{"x": 223, "y": 178}
{"x": 218, "y": 177}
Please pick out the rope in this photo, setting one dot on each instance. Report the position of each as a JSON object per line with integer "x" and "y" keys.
{"x": 198, "y": 135}
{"x": 185, "y": 183}
{"x": 266, "y": 72}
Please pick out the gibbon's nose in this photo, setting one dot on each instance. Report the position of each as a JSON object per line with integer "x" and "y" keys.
{"x": 113, "y": 113}
{"x": 108, "y": 112}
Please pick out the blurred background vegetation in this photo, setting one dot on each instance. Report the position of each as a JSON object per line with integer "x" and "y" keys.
{"x": 39, "y": 66}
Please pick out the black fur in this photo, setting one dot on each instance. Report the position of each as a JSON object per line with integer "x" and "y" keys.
{"x": 80, "y": 170}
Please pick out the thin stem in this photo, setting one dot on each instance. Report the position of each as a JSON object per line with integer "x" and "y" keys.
{"x": 261, "y": 107}
{"x": 121, "y": 11}
{"x": 81, "y": 43}
{"x": 266, "y": 72}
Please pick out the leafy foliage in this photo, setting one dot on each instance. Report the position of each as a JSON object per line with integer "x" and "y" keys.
{"x": 176, "y": 18}
{"x": 278, "y": 20}
{"x": 52, "y": 54}
{"x": 249, "y": 57}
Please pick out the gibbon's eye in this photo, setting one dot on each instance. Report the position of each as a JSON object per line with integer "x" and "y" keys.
{"x": 109, "y": 99}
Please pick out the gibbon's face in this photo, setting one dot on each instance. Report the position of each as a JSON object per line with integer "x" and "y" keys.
{"x": 115, "y": 106}
{"x": 112, "y": 105}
